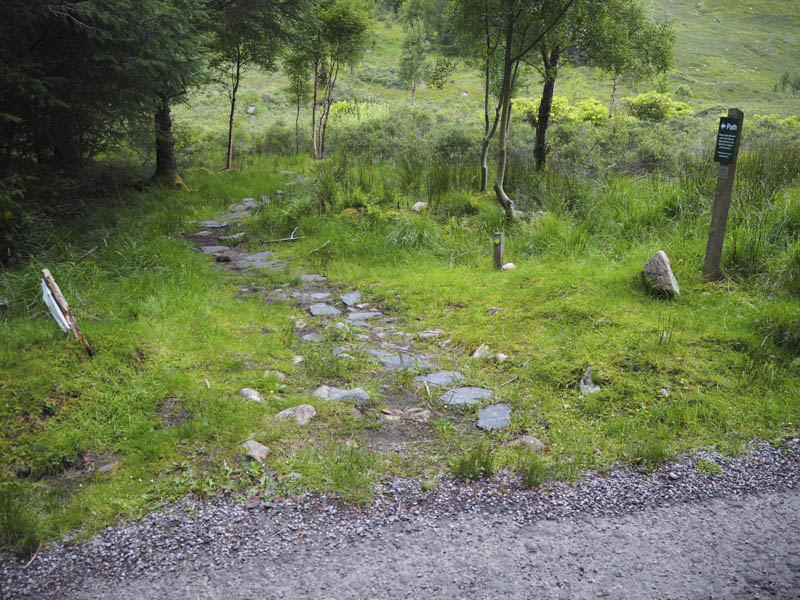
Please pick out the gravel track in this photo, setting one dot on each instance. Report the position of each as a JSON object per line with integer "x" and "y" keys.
{"x": 622, "y": 534}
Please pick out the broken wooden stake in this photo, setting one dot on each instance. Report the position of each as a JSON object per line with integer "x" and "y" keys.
{"x": 499, "y": 243}
{"x": 63, "y": 307}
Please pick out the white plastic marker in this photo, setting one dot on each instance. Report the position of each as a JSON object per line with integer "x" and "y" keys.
{"x": 47, "y": 296}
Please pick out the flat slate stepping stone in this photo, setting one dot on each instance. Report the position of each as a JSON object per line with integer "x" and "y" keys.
{"x": 235, "y": 236}
{"x": 312, "y": 337}
{"x": 244, "y": 205}
{"x": 333, "y": 394}
{"x": 322, "y": 309}
{"x": 363, "y": 316}
{"x": 379, "y": 354}
{"x": 351, "y": 299}
{"x": 441, "y": 378}
{"x": 313, "y": 278}
{"x": 396, "y": 362}
{"x": 256, "y": 264}
{"x": 259, "y": 256}
{"x": 465, "y": 396}
{"x": 320, "y": 295}
{"x": 212, "y": 224}
{"x": 212, "y": 249}
{"x": 496, "y": 416}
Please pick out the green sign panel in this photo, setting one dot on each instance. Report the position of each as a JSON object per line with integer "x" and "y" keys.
{"x": 729, "y": 130}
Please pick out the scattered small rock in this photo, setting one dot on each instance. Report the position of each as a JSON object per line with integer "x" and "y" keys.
{"x": 234, "y": 237}
{"x": 300, "y": 324}
{"x": 657, "y": 276}
{"x": 255, "y": 451}
{"x": 493, "y": 311}
{"x": 673, "y": 476}
{"x": 496, "y": 416}
{"x": 500, "y": 357}
{"x": 320, "y": 295}
{"x": 419, "y": 206}
{"x": 508, "y": 267}
{"x": 351, "y": 299}
{"x": 302, "y": 414}
{"x": 406, "y": 361}
{"x": 313, "y": 338}
{"x": 279, "y": 375}
{"x": 251, "y": 394}
{"x": 110, "y": 466}
{"x": 586, "y": 385}
{"x": 465, "y": 396}
{"x": 313, "y": 278}
{"x": 322, "y": 309}
{"x": 664, "y": 392}
{"x": 482, "y": 351}
{"x": 212, "y": 224}
{"x": 251, "y": 110}
{"x": 244, "y": 205}
{"x": 529, "y": 441}
{"x": 297, "y": 359}
{"x": 333, "y": 394}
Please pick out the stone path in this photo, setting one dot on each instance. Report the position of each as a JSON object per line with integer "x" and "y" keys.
{"x": 372, "y": 333}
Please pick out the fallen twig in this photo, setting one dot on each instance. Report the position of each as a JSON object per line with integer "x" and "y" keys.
{"x": 291, "y": 238}
{"x": 85, "y": 254}
{"x": 513, "y": 379}
{"x": 320, "y": 248}
{"x": 35, "y": 554}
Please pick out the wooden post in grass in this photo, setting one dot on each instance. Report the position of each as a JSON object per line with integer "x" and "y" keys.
{"x": 65, "y": 310}
{"x": 499, "y": 242}
{"x": 726, "y": 151}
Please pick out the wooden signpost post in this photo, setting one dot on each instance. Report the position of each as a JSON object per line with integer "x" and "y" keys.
{"x": 499, "y": 243}
{"x": 726, "y": 151}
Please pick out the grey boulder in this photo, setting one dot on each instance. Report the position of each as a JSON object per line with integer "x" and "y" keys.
{"x": 658, "y": 277}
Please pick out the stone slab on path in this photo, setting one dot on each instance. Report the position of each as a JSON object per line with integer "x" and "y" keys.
{"x": 212, "y": 224}
{"x": 333, "y": 394}
{"x": 364, "y": 316}
{"x": 397, "y": 362}
{"x": 351, "y": 299}
{"x": 429, "y": 334}
{"x": 212, "y": 249}
{"x": 313, "y": 278}
{"x": 321, "y": 309}
{"x": 496, "y": 416}
{"x": 441, "y": 378}
{"x": 465, "y": 396}
{"x": 233, "y": 216}
{"x": 320, "y": 295}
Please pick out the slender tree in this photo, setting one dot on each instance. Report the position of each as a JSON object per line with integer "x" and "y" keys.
{"x": 244, "y": 34}
{"x": 298, "y": 90}
{"x": 413, "y": 65}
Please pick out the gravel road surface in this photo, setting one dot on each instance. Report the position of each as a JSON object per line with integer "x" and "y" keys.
{"x": 669, "y": 534}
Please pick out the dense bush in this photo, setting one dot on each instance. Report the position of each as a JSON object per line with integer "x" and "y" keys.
{"x": 653, "y": 106}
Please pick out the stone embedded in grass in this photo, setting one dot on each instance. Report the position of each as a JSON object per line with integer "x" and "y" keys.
{"x": 212, "y": 224}
{"x": 234, "y": 237}
{"x": 419, "y": 206}
{"x": 396, "y": 362}
{"x": 333, "y": 394}
{"x": 279, "y": 375}
{"x": 496, "y": 416}
{"x": 255, "y": 451}
{"x": 322, "y": 309}
{"x": 363, "y": 316}
{"x": 657, "y": 276}
{"x": 320, "y": 295}
{"x": 351, "y": 299}
{"x": 379, "y": 354}
{"x": 482, "y": 351}
{"x": 302, "y": 414}
{"x": 431, "y": 333}
{"x": 441, "y": 378}
{"x": 500, "y": 357}
{"x": 212, "y": 249}
{"x": 313, "y": 338}
{"x": 528, "y": 441}
{"x": 244, "y": 205}
{"x": 297, "y": 359}
{"x": 508, "y": 267}
{"x": 251, "y": 394}
{"x": 465, "y": 396}
{"x": 232, "y": 216}
{"x": 259, "y": 256}
{"x": 313, "y": 278}
{"x": 586, "y": 385}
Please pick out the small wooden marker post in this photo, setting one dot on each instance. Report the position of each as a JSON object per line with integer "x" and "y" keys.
{"x": 499, "y": 243}
{"x": 65, "y": 310}
{"x": 726, "y": 151}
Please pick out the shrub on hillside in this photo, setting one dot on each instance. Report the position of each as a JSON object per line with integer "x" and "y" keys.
{"x": 653, "y": 106}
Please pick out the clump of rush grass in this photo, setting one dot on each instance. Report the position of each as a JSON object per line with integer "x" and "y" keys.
{"x": 474, "y": 464}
